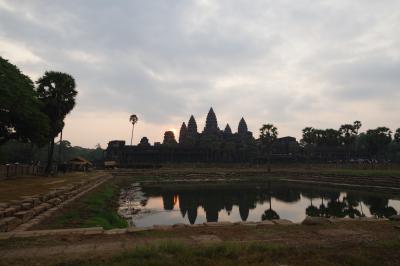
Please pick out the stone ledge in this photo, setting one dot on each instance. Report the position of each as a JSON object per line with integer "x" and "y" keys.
{"x": 100, "y": 230}
{"x": 264, "y": 223}
{"x": 138, "y": 229}
{"x": 395, "y": 218}
{"x": 316, "y": 221}
{"x": 5, "y": 236}
{"x": 212, "y": 224}
{"x": 283, "y": 222}
{"x": 9, "y": 223}
{"x": 24, "y": 215}
{"x": 116, "y": 231}
{"x": 162, "y": 227}
{"x": 179, "y": 225}
{"x": 55, "y": 199}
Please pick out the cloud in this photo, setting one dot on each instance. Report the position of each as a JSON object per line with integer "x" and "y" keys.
{"x": 294, "y": 63}
{"x": 19, "y": 52}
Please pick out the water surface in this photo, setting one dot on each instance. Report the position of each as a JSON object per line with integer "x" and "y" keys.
{"x": 150, "y": 204}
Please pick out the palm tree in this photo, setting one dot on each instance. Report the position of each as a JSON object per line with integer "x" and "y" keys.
{"x": 357, "y": 125}
{"x": 348, "y": 135}
{"x": 133, "y": 119}
{"x": 268, "y": 134}
{"x": 57, "y": 92}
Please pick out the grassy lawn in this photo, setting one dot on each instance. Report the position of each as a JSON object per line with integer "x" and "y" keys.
{"x": 12, "y": 189}
{"x": 255, "y": 253}
{"x": 96, "y": 208}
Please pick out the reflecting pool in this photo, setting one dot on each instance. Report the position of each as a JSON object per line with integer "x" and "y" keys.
{"x": 149, "y": 204}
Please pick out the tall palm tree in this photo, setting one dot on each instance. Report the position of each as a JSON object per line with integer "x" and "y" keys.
{"x": 56, "y": 90}
{"x": 133, "y": 119}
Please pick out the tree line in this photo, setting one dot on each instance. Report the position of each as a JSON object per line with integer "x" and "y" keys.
{"x": 344, "y": 144}
{"x": 28, "y": 153}
{"x": 34, "y": 112}
{"x": 347, "y": 143}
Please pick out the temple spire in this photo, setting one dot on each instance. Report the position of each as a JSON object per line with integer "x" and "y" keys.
{"x": 242, "y": 128}
{"x": 211, "y": 122}
{"x": 182, "y": 133}
{"x": 227, "y": 130}
{"x": 192, "y": 127}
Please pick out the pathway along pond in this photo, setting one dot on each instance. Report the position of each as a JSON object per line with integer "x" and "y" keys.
{"x": 149, "y": 204}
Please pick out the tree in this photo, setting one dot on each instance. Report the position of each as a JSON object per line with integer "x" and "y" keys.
{"x": 377, "y": 140}
{"x": 20, "y": 114}
{"x": 397, "y": 135}
{"x": 268, "y": 134}
{"x": 57, "y": 92}
{"x": 133, "y": 119}
{"x": 308, "y": 141}
{"x": 330, "y": 138}
{"x": 309, "y": 137}
{"x": 348, "y": 135}
{"x": 357, "y": 125}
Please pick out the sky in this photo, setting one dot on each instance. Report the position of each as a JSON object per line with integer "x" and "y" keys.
{"x": 291, "y": 63}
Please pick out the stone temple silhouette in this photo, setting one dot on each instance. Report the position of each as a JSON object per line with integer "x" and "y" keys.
{"x": 212, "y": 145}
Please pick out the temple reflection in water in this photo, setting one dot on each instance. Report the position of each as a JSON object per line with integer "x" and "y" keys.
{"x": 266, "y": 201}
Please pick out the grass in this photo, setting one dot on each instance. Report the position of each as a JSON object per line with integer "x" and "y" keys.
{"x": 97, "y": 208}
{"x": 256, "y": 253}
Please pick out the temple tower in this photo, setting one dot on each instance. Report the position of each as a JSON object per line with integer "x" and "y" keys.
{"x": 169, "y": 138}
{"x": 211, "y": 123}
{"x": 227, "y": 130}
{"x": 182, "y": 133}
{"x": 144, "y": 142}
{"x": 192, "y": 128}
{"x": 242, "y": 128}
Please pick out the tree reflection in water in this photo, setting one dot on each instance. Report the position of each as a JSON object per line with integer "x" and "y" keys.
{"x": 270, "y": 214}
{"x": 214, "y": 199}
{"x": 379, "y": 207}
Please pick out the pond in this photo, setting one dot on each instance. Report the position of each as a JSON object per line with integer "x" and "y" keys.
{"x": 150, "y": 204}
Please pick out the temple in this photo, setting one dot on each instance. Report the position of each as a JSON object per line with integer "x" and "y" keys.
{"x": 211, "y": 145}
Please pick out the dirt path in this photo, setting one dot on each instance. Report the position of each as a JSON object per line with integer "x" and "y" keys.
{"x": 56, "y": 249}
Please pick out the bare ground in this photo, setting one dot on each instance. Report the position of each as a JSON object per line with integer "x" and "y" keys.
{"x": 57, "y": 249}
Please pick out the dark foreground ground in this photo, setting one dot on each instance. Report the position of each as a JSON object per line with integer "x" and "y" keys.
{"x": 342, "y": 243}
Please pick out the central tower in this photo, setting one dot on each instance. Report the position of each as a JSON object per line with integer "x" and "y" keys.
{"x": 211, "y": 123}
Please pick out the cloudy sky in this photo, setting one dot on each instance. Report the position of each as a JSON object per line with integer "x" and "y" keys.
{"x": 292, "y": 63}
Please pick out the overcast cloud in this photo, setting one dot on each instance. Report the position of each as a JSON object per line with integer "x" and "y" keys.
{"x": 293, "y": 63}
